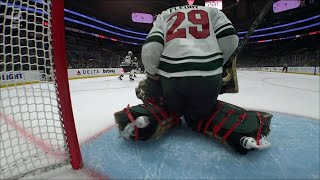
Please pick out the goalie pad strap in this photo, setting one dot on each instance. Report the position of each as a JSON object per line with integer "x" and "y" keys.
{"x": 240, "y": 120}
{"x": 132, "y": 119}
{"x": 199, "y": 126}
{"x": 154, "y": 114}
{"x": 217, "y": 128}
{"x": 165, "y": 117}
{"x": 154, "y": 125}
{"x": 211, "y": 118}
{"x": 246, "y": 127}
{"x": 261, "y": 121}
{"x": 229, "y": 123}
{"x": 163, "y": 114}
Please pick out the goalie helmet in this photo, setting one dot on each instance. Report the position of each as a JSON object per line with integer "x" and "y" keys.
{"x": 130, "y": 53}
{"x": 135, "y": 58}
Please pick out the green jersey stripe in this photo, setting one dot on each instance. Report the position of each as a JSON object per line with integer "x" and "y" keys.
{"x": 155, "y": 38}
{"x": 228, "y": 24}
{"x": 191, "y": 66}
{"x": 191, "y": 57}
{"x": 191, "y": 60}
{"x": 190, "y": 73}
{"x": 156, "y": 32}
{"x": 227, "y": 32}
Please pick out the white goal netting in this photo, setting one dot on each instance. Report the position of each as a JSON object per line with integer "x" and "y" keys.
{"x": 32, "y": 138}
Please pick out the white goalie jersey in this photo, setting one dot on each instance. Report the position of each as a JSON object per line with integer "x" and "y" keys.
{"x": 189, "y": 41}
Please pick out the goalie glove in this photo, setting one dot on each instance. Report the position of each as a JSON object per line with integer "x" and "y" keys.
{"x": 150, "y": 89}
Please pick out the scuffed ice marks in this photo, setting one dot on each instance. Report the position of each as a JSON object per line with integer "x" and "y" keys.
{"x": 184, "y": 154}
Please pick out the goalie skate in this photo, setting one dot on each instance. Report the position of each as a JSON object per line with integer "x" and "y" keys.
{"x": 128, "y": 131}
{"x": 251, "y": 143}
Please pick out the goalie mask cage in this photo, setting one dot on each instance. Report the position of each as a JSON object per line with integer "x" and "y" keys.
{"x": 36, "y": 119}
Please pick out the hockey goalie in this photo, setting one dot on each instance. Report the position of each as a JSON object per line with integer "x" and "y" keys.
{"x": 184, "y": 56}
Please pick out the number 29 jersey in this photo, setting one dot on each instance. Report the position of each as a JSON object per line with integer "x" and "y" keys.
{"x": 185, "y": 41}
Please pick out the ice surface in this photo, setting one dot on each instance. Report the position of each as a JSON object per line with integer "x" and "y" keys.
{"x": 279, "y": 92}
{"x": 185, "y": 154}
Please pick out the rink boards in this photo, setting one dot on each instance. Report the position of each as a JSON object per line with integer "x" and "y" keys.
{"x": 298, "y": 70}
{"x": 12, "y": 78}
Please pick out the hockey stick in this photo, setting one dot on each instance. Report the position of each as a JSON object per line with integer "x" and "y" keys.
{"x": 229, "y": 68}
{"x": 231, "y": 6}
{"x": 254, "y": 25}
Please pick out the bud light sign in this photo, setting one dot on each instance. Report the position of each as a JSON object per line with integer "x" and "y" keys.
{"x": 11, "y": 76}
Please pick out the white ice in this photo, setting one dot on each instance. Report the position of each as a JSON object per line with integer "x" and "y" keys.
{"x": 95, "y": 100}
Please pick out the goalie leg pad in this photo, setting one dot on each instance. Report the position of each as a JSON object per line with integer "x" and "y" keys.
{"x": 232, "y": 124}
{"x": 144, "y": 121}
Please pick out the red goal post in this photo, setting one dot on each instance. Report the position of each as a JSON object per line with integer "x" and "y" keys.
{"x": 62, "y": 83}
{"x": 36, "y": 119}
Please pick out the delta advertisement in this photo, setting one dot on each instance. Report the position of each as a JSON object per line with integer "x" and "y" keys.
{"x": 83, "y": 73}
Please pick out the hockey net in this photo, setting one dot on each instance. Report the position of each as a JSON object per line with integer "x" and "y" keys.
{"x": 36, "y": 119}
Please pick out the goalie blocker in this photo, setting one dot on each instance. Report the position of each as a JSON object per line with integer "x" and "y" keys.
{"x": 242, "y": 129}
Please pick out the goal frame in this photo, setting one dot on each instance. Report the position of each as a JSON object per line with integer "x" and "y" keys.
{"x": 62, "y": 83}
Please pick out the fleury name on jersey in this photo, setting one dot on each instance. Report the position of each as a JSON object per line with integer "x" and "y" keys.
{"x": 182, "y": 7}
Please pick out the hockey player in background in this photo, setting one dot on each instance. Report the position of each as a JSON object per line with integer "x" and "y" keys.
{"x": 183, "y": 56}
{"x": 127, "y": 66}
{"x": 285, "y": 67}
{"x": 135, "y": 66}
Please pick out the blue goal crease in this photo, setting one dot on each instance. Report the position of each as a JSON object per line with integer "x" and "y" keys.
{"x": 185, "y": 154}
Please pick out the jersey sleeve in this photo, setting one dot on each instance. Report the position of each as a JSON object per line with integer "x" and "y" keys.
{"x": 226, "y": 35}
{"x": 153, "y": 47}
